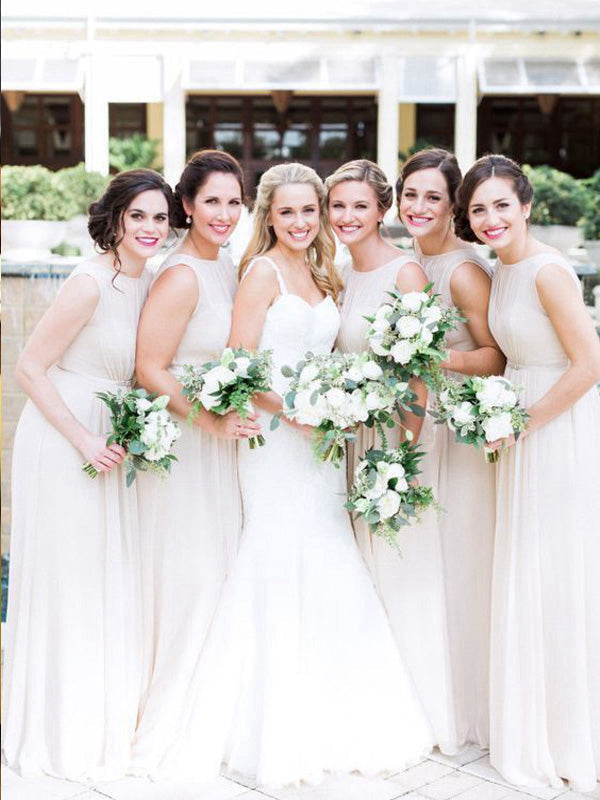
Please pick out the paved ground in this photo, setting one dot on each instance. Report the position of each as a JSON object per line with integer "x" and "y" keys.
{"x": 468, "y": 776}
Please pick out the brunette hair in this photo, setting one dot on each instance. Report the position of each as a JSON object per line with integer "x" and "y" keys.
{"x": 433, "y": 158}
{"x": 105, "y": 221}
{"x": 320, "y": 252}
{"x": 195, "y": 174}
{"x": 367, "y": 172}
{"x": 490, "y": 166}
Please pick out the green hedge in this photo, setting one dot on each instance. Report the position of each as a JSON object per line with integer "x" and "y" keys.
{"x": 590, "y": 222}
{"x": 37, "y": 193}
{"x": 559, "y": 199}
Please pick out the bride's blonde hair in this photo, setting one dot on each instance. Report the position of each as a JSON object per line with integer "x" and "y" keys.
{"x": 321, "y": 251}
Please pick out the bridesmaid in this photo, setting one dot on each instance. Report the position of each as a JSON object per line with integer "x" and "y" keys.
{"x": 191, "y": 522}
{"x": 412, "y": 587}
{"x": 545, "y": 650}
{"x": 72, "y": 675}
{"x": 425, "y": 191}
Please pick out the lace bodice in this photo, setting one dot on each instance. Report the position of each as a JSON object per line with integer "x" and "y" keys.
{"x": 293, "y": 327}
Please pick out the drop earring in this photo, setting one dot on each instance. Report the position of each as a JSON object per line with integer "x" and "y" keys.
{"x": 188, "y": 220}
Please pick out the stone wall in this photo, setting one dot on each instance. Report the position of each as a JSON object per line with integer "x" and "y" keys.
{"x": 24, "y": 300}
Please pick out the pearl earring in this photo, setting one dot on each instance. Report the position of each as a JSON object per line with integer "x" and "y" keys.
{"x": 188, "y": 220}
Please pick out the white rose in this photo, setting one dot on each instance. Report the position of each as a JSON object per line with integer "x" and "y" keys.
{"x": 376, "y": 344}
{"x": 412, "y": 301}
{"x": 207, "y": 399}
{"x": 371, "y": 370}
{"x": 426, "y": 335}
{"x": 431, "y": 315}
{"x": 358, "y": 407}
{"x": 463, "y": 414}
{"x": 241, "y": 366}
{"x": 354, "y": 373}
{"x": 395, "y": 471}
{"x": 389, "y": 504}
{"x": 408, "y": 327}
{"x": 403, "y": 351}
{"x": 495, "y": 394}
{"x": 380, "y": 325}
{"x": 220, "y": 375}
{"x": 378, "y": 489}
{"x": 498, "y": 427}
{"x": 383, "y": 311}
{"x": 309, "y": 373}
{"x": 335, "y": 397}
{"x": 374, "y": 402}
{"x": 142, "y": 404}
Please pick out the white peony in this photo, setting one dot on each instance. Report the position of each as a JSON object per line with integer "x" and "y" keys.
{"x": 374, "y": 402}
{"x": 394, "y": 471}
{"x": 463, "y": 414}
{"x": 142, "y": 404}
{"x": 495, "y": 394}
{"x": 241, "y": 366}
{"x": 431, "y": 315}
{"x": 217, "y": 377}
{"x": 403, "y": 351}
{"x": 336, "y": 397}
{"x": 383, "y": 311}
{"x": 378, "y": 489}
{"x": 208, "y": 399}
{"x": 498, "y": 426}
{"x": 389, "y": 504}
{"x": 354, "y": 373}
{"x": 412, "y": 301}
{"x": 426, "y": 336}
{"x": 380, "y": 324}
{"x": 408, "y": 327}
{"x": 358, "y": 407}
{"x": 376, "y": 344}
{"x": 371, "y": 370}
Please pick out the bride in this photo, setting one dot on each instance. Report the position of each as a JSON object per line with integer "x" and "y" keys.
{"x": 300, "y": 675}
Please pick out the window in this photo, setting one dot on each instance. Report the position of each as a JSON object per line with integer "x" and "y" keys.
{"x": 126, "y": 119}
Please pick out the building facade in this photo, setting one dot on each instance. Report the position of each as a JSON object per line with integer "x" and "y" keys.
{"x": 320, "y": 90}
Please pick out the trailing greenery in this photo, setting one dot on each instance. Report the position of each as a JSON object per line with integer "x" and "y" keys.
{"x": 559, "y": 199}
{"x": 133, "y": 152}
{"x": 37, "y": 193}
{"x": 590, "y": 222}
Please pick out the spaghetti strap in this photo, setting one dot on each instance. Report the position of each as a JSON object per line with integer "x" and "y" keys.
{"x": 280, "y": 281}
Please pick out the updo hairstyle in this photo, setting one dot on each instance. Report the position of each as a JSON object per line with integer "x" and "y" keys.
{"x": 432, "y": 158}
{"x": 195, "y": 174}
{"x": 364, "y": 171}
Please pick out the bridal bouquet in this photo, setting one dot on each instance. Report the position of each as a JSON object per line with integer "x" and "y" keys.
{"x": 481, "y": 410}
{"x": 382, "y": 492}
{"x": 407, "y": 333}
{"x": 228, "y": 384}
{"x": 142, "y": 425}
{"x": 337, "y": 391}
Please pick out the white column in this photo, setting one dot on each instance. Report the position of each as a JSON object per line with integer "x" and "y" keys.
{"x": 388, "y": 134}
{"x": 173, "y": 121}
{"x": 95, "y": 120}
{"x": 465, "y": 114}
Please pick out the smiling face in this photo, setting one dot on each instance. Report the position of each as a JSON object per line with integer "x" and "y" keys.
{"x": 496, "y": 215}
{"x": 145, "y": 225}
{"x": 216, "y": 208}
{"x": 424, "y": 206}
{"x": 294, "y": 215}
{"x": 353, "y": 212}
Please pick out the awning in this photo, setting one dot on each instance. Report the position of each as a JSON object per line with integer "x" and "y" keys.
{"x": 539, "y": 76}
{"x": 30, "y": 74}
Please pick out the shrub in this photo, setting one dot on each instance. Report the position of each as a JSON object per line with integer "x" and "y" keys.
{"x": 559, "y": 199}
{"x": 80, "y": 187}
{"x": 132, "y": 152}
{"x": 30, "y": 193}
{"x": 590, "y": 222}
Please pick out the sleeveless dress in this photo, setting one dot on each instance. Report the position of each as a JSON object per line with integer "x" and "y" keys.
{"x": 300, "y": 675}
{"x": 411, "y": 586}
{"x": 545, "y": 656}
{"x": 72, "y": 672}
{"x": 190, "y": 526}
{"x": 467, "y": 493}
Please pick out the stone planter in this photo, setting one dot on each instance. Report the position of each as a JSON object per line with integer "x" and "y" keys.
{"x": 593, "y": 250}
{"x": 77, "y": 235}
{"x": 563, "y": 237}
{"x": 30, "y": 239}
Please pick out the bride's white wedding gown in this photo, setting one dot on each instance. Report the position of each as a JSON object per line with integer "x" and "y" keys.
{"x": 300, "y": 674}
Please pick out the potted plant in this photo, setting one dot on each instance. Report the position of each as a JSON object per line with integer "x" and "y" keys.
{"x": 590, "y": 222}
{"x": 559, "y": 203}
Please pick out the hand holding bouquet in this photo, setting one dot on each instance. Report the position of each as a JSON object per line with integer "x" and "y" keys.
{"x": 337, "y": 391}
{"x": 481, "y": 410}
{"x": 384, "y": 491}
{"x": 142, "y": 425}
{"x": 228, "y": 384}
{"x": 407, "y": 334}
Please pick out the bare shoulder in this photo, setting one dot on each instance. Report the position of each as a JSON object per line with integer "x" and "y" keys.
{"x": 260, "y": 276}
{"x": 411, "y": 277}
{"x": 469, "y": 277}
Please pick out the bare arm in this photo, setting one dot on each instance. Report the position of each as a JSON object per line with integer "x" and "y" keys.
{"x": 164, "y": 319}
{"x": 564, "y": 305}
{"x": 58, "y": 328}
{"x": 470, "y": 290}
{"x": 411, "y": 278}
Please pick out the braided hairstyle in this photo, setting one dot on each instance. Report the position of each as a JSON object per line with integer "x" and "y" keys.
{"x": 105, "y": 216}
{"x": 490, "y": 166}
{"x": 195, "y": 174}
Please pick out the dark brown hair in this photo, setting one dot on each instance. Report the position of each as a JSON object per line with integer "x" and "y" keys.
{"x": 105, "y": 221}
{"x": 195, "y": 174}
{"x": 490, "y": 166}
{"x": 433, "y": 158}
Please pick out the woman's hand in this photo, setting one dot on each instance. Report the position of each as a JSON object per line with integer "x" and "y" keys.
{"x": 232, "y": 426}
{"x": 503, "y": 444}
{"x": 101, "y": 456}
{"x": 306, "y": 430}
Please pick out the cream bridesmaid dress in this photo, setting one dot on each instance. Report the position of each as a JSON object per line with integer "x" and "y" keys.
{"x": 467, "y": 492}
{"x": 411, "y": 586}
{"x": 72, "y": 670}
{"x": 190, "y": 527}
{"x": 545, "y": 656}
